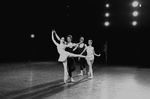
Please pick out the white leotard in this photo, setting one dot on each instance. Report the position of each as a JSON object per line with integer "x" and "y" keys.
{"x": 62, "y": 53}
{"x": 90, "y": 53}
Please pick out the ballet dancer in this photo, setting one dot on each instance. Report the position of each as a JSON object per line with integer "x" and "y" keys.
{"x": 82, "y": 61}
{"x": 70, "y": 60}
{"x": 62, "y": 53}
{"x": 90, "y": 57}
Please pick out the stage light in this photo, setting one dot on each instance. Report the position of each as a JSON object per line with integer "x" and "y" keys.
{"x": 140, "y": 5}
{"x": 135, "y": 4}
{"x": 107, "y": 14}
{"x": 107, "y": 5}
{"x": 32, "y": 35}
{"x": 106, "y": 23}
{"x": 135, "y": 13}
{"x": 134, "y": 23}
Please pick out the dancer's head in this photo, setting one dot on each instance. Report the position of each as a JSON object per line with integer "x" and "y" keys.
{"x": 82, "y": 39}
{"x": 62, "y": 40}
{"x": 69, "y": 38}
{"x": 90, "y": 42}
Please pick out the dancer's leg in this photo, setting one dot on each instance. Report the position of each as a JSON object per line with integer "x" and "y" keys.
{"x": 84, "y": 65}
{"x": 92, "y": 61}
{"x": 90, "y": 68}
{"x": 65, "y": 71}
{"x": 89, "y": 65}
{"x": 81, "y": 67}
{"x": 76, "y": 55}
{"x": 71, "y": 67}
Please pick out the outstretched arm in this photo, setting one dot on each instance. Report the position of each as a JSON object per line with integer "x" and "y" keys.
{"x": 96, "y": 54}
{"x": 54, "y": 39}
{"x": 57, "y": 35}
{"x": 70, "y": 45}
{"x": 77, "y": 45}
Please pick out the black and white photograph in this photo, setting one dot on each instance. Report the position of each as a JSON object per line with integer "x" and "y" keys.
{"x": 74, "y": 49}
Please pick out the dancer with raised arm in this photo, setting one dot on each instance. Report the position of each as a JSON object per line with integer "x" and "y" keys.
{"x": 90, "y": 57}
{"x": 64, "y": 54}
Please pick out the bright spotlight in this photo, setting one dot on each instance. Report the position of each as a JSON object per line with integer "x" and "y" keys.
{"x": 106, "y": 23}
{"x": 134, "y": 23}
{"x": 107, "y": 5}
{"x": 107, "y": 14}
{"x": 32, "y": 35}
{"x": 135, "y": 13}
{"x": 135, "y": 4}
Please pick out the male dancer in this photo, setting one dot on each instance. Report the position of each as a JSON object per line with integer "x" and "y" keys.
{"x": 70, "y": 60}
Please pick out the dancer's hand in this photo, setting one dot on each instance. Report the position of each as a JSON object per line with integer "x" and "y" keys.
{"x": 99, "y": 55}
{"x": 53, "y": 31}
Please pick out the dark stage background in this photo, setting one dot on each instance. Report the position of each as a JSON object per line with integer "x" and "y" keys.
{"x": 127, "y": 44}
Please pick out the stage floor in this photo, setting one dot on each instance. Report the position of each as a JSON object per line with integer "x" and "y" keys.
{"x": 43, "y": 80}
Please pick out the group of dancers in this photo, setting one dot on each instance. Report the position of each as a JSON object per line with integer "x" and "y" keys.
{"x": 66, "y": 54}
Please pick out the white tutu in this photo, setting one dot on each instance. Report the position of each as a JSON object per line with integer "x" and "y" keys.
{"x": 62, "y": 53}
{"x": 63, "y": 56}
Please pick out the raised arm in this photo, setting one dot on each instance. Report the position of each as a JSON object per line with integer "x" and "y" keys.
{"x": 54, "y": 39}
{"x": 57, "y": 35}
{"x": 95, "y": 53}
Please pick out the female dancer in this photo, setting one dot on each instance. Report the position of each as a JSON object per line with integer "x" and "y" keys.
{"x": 82, "y": 61}
{"x": 64, "y": 54}
{"x": 90, "y": 57}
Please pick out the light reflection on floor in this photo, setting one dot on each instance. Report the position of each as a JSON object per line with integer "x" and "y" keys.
{"x": 44, "y": 81}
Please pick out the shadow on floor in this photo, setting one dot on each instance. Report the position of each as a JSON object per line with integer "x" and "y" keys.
{"x": 41, "y": 91}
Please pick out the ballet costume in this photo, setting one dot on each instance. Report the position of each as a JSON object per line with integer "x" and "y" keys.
{"x": 62, "y": 53}
{"x": 90, "y": 57}
{"x": 82, "y": 61}
{"x": 90, "y": 54}
{"x": 70, "y": 62}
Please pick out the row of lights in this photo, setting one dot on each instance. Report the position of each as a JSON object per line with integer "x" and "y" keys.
{"x": 135, "y": 4}
{"x": 107, "y": 14}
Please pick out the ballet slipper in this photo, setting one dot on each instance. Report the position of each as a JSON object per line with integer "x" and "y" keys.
{"x": 90, "y": 77}
{"x": 81, "y": 74}
{"x": 65, "y": 78}
{"x": 65, "y": 81}
{"x": 72, "y": 80}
